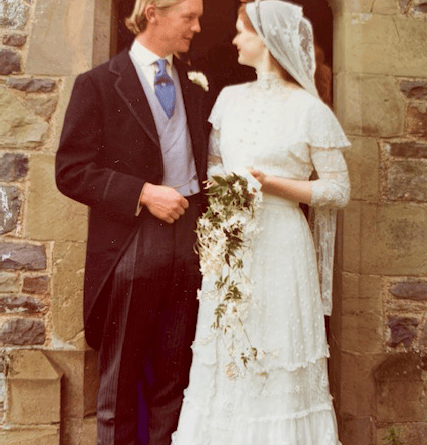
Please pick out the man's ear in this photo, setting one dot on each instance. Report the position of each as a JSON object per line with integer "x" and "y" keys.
{"x": 151, "y": 13}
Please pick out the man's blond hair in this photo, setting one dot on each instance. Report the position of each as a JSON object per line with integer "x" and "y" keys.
{"x": 137, "y": 22}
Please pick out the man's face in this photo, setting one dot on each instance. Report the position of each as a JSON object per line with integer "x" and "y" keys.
{"x": 176, "y": 26}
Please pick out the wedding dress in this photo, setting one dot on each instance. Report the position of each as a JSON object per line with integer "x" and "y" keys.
{"x": 281, "y": 130}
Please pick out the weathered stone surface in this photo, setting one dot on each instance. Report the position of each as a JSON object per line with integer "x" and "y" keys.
{"x": 390, "y": 45}
{"x": 406, "y": 180}
{"x": 361, "y": 314}
{"x": 403, "y": 330}
{"x": 410, "y": 290}
{"x": 404, "y": 5}
{"x": 10, "y": 205}
{"x": 13, "y": 167}
{"x": 35, "y": 390}
{"x": 400, "y": 391}
{"x": 369, "y": 105}
{"x": 78, "y": 431}
{"x": 414, "y": 89}
{"x": 9, "y": 282}
{"x": 387, "y": 239}
{"x": 42, "y": 106}
{"x": 22, "y": 256}
{"x": 50, "y": 215}
{"x": 36, "y": 285}
{"x": 32, "y": 85}
{"x": 45, "y": 435}
{"x": 70, "y": 52}
{"x": 21, "y": 304}
{"x": 67, "y": 304}
{"x": 17, "y": 40}
{"x": 417, "y": 120}
{"x": 407, "y": 149}
{"x": 22, "y": 331}
{"x": 363, "y": 166}
{"x": 357, "y": 430}
{"x": 419, "y": 10}
{"x": 13, "y": 14}
{"x": 10, "y": 62}
{"x": 19, "y": 127}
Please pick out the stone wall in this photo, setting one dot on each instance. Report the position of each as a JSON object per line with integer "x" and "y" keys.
{"x": 48, "y": 375}
{"x": 379, "y": 326}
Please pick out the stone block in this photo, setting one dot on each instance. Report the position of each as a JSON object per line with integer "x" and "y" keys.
{"x": 400, "y": 390}
{"x": 409, "y": 433}
{"x": 13, "y": 14}
{"x": 70, "y": 52}
{"x": 407, "y": 149}
{"x": 67, "y": 301}
{"x": 362, "y": 314}
{"x": 36, "y": 285}
{"x": 45, "y": 435}
{"x": 32, "y": 85}
{"x": 50, "y": 215}
{"x": 363, "y": 165}
{"x": 22, "y": 256}
{"x": 80, "y": 432}
{"x": 402, "y": 330}
{"x": 43, "y": 106}
{"x": 385, "y": 239}
{"x": 10, "y": 62}
{"x": 406, "y": 180}
{"x": 410, "y": 290}
{"x": 13, "y": 167}
{"x": 369, "y": 105}
{"x": 357, "y": 384}
{"x": 414, "y": 89}
{"x": 80, "y": 382}
{"x": 9, "y": 282}
{"x": 21, "y": 305}
{"x": 10, "y": 206}
{"x": 17, "y": 40}
{"x": 35, "y": 389}
{"x": 357, "y": 430}
{"x": 19, "y": 127}
{"x": 390, "y": 45}
{"x": 22, "y": 332}
{"x": 417, "y": 120}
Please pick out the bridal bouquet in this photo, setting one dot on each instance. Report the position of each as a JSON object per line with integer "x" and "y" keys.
{"x": 224, "y": 234}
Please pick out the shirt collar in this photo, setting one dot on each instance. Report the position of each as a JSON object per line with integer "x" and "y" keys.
{"x": 146, "y": 57}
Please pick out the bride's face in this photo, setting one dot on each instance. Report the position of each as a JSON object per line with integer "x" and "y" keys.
{"x": 251, "y": 48}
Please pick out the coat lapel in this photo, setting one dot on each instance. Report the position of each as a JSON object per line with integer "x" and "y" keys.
{"x": 129, "y": 88}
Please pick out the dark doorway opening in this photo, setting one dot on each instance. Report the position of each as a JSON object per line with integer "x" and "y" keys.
{"x": 212, "y": 51}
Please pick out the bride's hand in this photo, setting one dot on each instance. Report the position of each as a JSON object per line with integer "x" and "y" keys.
{"x": 258, "y": 175}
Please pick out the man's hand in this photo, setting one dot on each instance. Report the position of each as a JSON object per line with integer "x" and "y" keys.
{"x": 163, "y": 202}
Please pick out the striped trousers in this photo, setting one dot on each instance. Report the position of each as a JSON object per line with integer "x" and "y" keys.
{"x": 151, "y": 315}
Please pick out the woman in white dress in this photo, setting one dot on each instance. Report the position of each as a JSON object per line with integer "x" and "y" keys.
{"x": 280, "y": 130}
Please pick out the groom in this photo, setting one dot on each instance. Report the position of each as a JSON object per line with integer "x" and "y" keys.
{"x": 134, "y": 149}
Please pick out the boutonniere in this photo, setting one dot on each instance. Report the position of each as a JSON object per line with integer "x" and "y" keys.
{"x": 199, "y": 79}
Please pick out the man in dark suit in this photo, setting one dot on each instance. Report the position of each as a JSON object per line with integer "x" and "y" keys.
{"x": 134, "y": 149}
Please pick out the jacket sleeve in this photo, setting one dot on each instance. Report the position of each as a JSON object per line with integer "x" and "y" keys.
{"x": 82, "y": 171}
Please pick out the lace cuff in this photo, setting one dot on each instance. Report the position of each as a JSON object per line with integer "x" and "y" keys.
{"x": 332, "y": 189}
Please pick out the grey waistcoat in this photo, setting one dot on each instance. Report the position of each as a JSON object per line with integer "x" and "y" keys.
{"x": 179, "y": 169}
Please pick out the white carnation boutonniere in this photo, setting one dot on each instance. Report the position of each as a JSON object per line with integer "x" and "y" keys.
{"x": 199, "y": 78}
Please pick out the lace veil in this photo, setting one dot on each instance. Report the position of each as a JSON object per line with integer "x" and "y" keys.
{"x": 288, "y": 36}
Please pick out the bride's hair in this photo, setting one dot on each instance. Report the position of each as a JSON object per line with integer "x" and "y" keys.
{"x": 137, "y": 21}
{"x": 243, "y": 15}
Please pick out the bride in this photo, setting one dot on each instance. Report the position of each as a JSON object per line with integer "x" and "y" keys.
{"x": 280, "y": 130}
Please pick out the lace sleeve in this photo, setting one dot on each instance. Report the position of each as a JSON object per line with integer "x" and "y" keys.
{"x": 332, "y": 189}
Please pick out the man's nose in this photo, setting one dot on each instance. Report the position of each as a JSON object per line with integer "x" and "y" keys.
{"x": 196, "y": 26}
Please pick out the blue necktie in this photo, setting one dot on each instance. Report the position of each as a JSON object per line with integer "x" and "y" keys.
{"x": 165, "y": 88}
